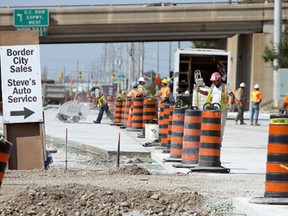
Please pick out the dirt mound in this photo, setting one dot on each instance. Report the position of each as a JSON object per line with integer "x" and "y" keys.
{"x": 74, "y": 199}
{"x": 131, "y": 170}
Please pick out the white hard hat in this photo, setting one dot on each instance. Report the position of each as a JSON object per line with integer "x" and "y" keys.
{"x": 242, "y": 85}
{"x": 141, "y": 79}
{"x": 256, "y": 86}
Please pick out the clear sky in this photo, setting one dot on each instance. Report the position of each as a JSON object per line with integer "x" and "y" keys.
{"x": 89, "y": 57}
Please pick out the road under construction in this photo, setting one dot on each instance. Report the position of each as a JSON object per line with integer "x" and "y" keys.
{"x": 243, "y": 151}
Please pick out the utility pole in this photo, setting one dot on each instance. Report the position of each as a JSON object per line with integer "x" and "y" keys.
{"x": 104, "y": 64}
{"x": 77, "y": 79}
{"x": 169, "y": 57}
{"x": 277, "y": 41}
{"x": 139, "y": 61}
{"x": 63, "y": 79}
{"x": 157, "y": 67}
{"x": 127, "y": 77}
{"x": 142, "y": 59}
{"x": 131, "y": 54}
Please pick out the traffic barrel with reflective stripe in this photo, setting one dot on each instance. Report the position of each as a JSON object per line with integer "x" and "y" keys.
{"x": 137, "y": 113}
{"x": 191, "y": 138}
{"x": 5, "y": 149}
{"x": 210, "y": 143}
{"x": 123, "y": 112}
{"x": 277, "y": 157}
{"x": 171, "y": 110}
{"x": 165, "y": 123}
{"x": 149, "y": 111}
{"x": 110, "y": 103}
{"x": 177, "y": 133}
{"x": 276, "y": 184}
{"x": 128, "y": 103}
{"x": 160, "y": 122}
{"x": 118, "y": 110}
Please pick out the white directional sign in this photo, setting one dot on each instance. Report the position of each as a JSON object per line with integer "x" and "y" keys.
{"x": 21, "y": 84}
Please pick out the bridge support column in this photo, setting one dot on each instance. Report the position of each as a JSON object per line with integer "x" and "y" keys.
{"x": 261, "y": 72}
{"x": 248, "y": 66}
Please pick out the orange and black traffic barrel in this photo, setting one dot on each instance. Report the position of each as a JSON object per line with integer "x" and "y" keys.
{"x": 118, "y": 110}
{"x": 165, "y": 124}
{"x": 149, "y": 111}
{"x": 171, "y": 110}
{"x": 160, "y": 122}
{"x": 191, "y": 138}
{"x": 277, "y": 158}
{"x": 276, "y": 184}
{"x": 128, "y": 103}
{"x": 177, "y": 133}
{"x": 5, "y": 149}
{"x": 210, "y": 140}
{"x": 123, "y": 112}
{"x": 110, "y": 103}
{"x": 137, "y": 113}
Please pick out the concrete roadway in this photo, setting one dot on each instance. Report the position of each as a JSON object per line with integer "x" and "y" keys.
{"x": 244, "y": 149}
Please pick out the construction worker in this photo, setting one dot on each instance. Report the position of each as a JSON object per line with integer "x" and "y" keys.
{"x": 141, "y": 87}
{"x": 256, "y": 98}
{"x": 102, "y": 102}
{"x": 164, "y": 92}
{"x": 284, "y": 105}
{"x": 240, "y": 102}
{"x": 220, "y": 93}
{"x": 134, "y": 91}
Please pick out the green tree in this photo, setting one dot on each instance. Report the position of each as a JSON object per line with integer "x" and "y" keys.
{"x": 270, "y": 53}
{"x": 204, "y": 44}
{"x": 151, "y": 87}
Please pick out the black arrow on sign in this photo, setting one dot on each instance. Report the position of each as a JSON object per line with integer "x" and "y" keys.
{"x": 26, "y": 113}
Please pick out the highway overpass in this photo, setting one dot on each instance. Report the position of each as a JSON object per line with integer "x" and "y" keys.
{"x": 168, "y": 23}
{"x": 246, "y": 29}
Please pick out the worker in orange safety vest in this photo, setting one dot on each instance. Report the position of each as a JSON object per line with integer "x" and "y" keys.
{"x": 256, "y": 98}
{"x": 284, "y": 105}
{"x": 164, "y": 92}
{"x": 134, "y": 91}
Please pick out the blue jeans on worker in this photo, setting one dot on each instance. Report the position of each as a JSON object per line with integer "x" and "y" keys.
{"x": 254, "y": 112}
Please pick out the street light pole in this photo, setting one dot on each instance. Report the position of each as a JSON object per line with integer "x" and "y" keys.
{"x": 277, "y": 41}
{"x": 157, "y": 68}
{"x": 77, "y": 78}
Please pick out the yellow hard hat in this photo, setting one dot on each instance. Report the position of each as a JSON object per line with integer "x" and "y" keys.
{"x": 165, "y": 81}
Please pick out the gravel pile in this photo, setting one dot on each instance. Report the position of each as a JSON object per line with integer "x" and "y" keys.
{"x": 74, "y": 199}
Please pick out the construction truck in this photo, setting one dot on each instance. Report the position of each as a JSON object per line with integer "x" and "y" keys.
{"x": 53, "y": 93}
{"x": 194, "y": 67}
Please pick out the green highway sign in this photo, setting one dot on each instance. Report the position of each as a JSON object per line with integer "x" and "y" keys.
{"x": 31, "y": 17}
{"x": 42, "y": 30}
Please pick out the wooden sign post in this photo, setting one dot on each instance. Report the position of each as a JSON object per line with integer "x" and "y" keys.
{"x": 22, "y": 98}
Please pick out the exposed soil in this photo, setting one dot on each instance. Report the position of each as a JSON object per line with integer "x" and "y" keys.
{"x": 92, "y": 185}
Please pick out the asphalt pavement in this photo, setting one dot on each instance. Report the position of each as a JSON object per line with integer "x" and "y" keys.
{"x": 244, "y": 149}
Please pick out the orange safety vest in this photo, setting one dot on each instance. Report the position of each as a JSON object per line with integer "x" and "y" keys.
{"x": 256, "y": 96}
{"x": 165, "y": 92}
{"x": 286, "y": 99}
{"x": 134, "y": 93}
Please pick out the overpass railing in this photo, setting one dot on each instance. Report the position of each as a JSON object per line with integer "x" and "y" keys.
{"x": 160, "y": 4}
